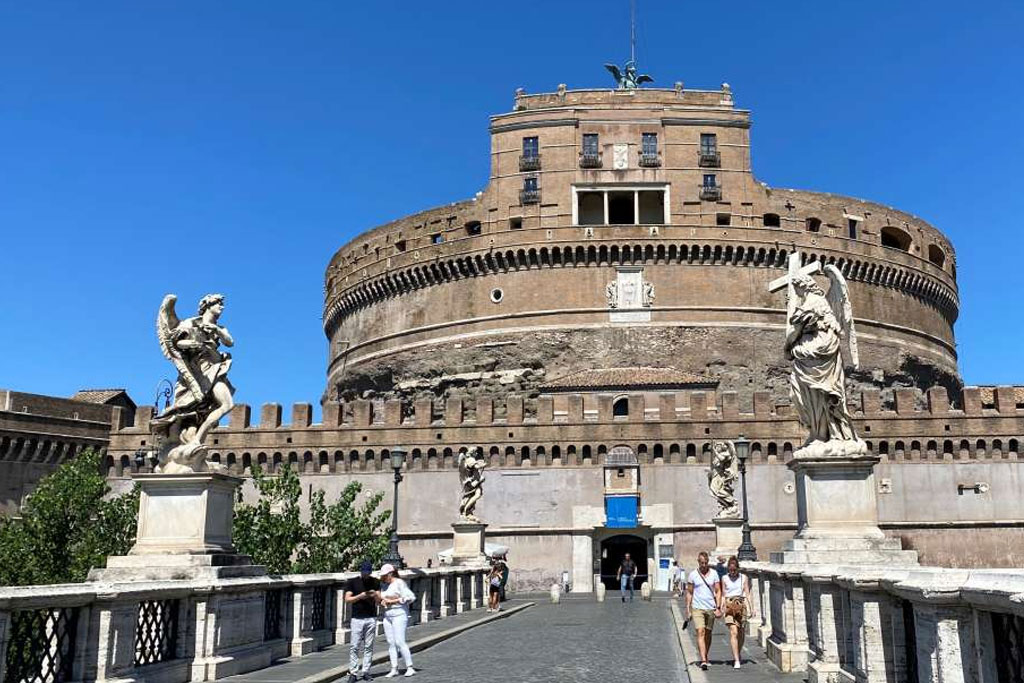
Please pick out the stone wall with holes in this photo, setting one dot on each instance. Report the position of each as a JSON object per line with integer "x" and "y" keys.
{"x": 946, "y": 468}
{"x": 441, "y": 302}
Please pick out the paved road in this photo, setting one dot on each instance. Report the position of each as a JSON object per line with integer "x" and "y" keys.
{"x": 577, "y": 640}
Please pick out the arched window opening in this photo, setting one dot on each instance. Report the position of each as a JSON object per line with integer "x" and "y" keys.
{"x": 936, "y": 255}
{"x": 894, "y": 238}
{"x": 621, "y": 407}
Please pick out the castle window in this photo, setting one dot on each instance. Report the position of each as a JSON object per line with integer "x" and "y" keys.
{"x": 710, "y": 190}
{"x": 473, "y": 228}
{"x": 649, "y": 150}
{"x": 621, "y": 407}
{"x": 620, "y": 205}
{"x": 813, "y": 224}
{"x": 771, "y": 220}
{"x": 530, "y": 193}
{"x": 400, "y": 245}
{"x": 851, "y": 224}
{"x": 591, "y": 208}
{"x": 710, "y": 180}
{"x": 936, "y": 255}
{"x": 708, "y": 155}
{"x": 530, "y": 159}
{"x": 723, "y": 219}
{"x": 590, "y": 155}
{"x": 515, "y": 223}
{"x": 620, "y": 208}
{"x": 436, "y": 238}
{"x": 894, "y": 238}
{"x": 531, "y": 147}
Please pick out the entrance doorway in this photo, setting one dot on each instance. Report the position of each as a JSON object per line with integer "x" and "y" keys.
{"x": 614, "y": 549}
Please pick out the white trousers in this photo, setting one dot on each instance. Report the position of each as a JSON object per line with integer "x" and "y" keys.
{"x": 362, "y": 632}
{"x": 394, "y": 629}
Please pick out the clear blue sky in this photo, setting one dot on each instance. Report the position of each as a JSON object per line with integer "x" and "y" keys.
{"x": 273, "y": 132}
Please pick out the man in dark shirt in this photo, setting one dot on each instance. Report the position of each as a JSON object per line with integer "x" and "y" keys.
{"x": 627, "y": 570}
{"x": 361, "y": 594}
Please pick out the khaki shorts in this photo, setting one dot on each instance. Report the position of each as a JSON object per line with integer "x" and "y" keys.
{"x": 703, "y": 618}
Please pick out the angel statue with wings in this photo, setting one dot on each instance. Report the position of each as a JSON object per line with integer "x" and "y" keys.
{"x": 722, "y": 477}
{"x": 820, "y": 331}
{"x": 471, "y": 476}
{"x": 628, "y": 78}
{"x": 203, "y": 393}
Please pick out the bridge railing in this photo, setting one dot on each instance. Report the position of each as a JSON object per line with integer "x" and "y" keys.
{"x": 895, "y": 624}
{"x": 195, "y": 630}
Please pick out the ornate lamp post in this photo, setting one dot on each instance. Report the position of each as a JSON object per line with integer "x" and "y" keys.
{"x": 746, "y": 551}
{"x": 392, "y": 557}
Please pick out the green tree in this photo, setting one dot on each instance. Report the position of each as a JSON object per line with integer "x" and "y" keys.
{"x": 335, "y": 537}
{"x": 68, "y": 525}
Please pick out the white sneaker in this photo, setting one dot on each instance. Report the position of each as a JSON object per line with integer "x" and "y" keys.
{"x": 392, "y": 673}
{"x": 410, "y": 672}
{"x": 736, "y": 665}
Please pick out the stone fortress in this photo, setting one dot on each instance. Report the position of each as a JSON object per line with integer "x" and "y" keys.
{"x": 597, "y": 316}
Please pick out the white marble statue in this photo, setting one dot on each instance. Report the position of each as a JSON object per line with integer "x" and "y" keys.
{"x": 722, "y": 477}
{"x": 202, "y": 394}
{"x": 819, "y": 330}
{"x": 471, "y": 476}
{"x": 611, "y": 293}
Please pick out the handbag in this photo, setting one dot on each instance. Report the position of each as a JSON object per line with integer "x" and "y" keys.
{"x": 736, "y": 608}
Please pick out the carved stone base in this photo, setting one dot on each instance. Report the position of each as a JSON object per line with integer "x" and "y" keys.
{"x": 184, "y": 531}
{"x": 468, "y": 546}
{"x": 728, "y": 536}
{"x": 837, "y": 511}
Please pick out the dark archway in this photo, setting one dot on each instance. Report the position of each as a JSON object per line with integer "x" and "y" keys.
{"x": 614, "y": 549}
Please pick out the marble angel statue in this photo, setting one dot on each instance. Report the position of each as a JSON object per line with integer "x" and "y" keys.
{"x": 722, "y": 477}
{"x": 202, "y": 393}
{"x": 820, "y": 333}
{"x": 471, "y": 476}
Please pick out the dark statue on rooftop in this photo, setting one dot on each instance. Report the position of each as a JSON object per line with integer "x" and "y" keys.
{"x": 628, "y": 78}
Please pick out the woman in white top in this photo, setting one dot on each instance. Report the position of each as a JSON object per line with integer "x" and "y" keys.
{"x": 737, "y": 606}
{"x": 396, "y": 598}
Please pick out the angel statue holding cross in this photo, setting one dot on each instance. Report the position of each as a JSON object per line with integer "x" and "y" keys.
{"x": 819, "y": 333}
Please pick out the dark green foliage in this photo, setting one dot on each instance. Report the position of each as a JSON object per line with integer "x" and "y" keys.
{"x": 335, "y": 537}
{"x": 67, "y": 526}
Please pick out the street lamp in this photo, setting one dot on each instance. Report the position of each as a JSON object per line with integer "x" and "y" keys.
{"x": 746, "y": 551}
{"x": 392, "y": 557}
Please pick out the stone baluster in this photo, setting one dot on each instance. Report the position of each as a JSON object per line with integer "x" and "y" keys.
{"x": 445, "y": 596}
{"x": 764, "y": 632}
{"x": 342, "y": 614}
{"x": 301, "y": 620}
{"x": 460, "y": 592}
{"x": 787, "y": 646}
{"x": 824, "y": 613}
{"x": 426, "y": 597}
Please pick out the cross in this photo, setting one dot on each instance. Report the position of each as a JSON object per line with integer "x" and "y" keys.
{"x": 786, "y": 281}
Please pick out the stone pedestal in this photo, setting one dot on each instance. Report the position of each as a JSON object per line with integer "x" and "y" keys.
{"x": 468, "y": 545}
{"x": 184, "y": 531}
{"x": 728, "y": 536}
{"x": 837, "y": 514}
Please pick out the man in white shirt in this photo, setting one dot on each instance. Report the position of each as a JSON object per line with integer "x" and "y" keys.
{"x": 703, "y": 596}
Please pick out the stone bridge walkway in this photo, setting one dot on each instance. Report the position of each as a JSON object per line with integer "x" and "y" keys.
{"x": 579, "y": 640}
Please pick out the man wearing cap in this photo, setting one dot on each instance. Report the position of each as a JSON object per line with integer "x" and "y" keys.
{"x": 361, "y": 593}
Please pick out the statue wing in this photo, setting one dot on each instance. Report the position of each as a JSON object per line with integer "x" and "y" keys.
{"x": 615, "y": 72}
{"x": 644, "y": 78}
{"x": 167, "y": 323}
{"x": 839, "y": 300}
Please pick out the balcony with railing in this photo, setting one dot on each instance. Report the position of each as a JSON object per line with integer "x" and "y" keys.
{"x": 528, "y": 196}
{"x": 590, "y": 160}
{"x": 711, "y": 193}
{"x": 709, "y": 158}
{"x": 529, "y": 162}
{"x": 650, "y": 160}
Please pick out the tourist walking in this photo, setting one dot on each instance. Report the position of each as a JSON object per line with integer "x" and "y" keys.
{"x": 703, "y": 597}
{"x": 505, "y": 571}
{"x": 361, "y": 594}
{"x": 677, "y": 579}
{"x": 625, "y": 576}
{"x": 396, "y": 598}
{"x": 737, "y": 606}
{"x": 494, "y": 587}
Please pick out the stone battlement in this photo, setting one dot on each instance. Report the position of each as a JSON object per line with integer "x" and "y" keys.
{"x": 578, "y": 429}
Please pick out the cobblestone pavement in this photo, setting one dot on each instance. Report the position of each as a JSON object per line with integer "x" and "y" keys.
{"x": 577, "y": 640}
